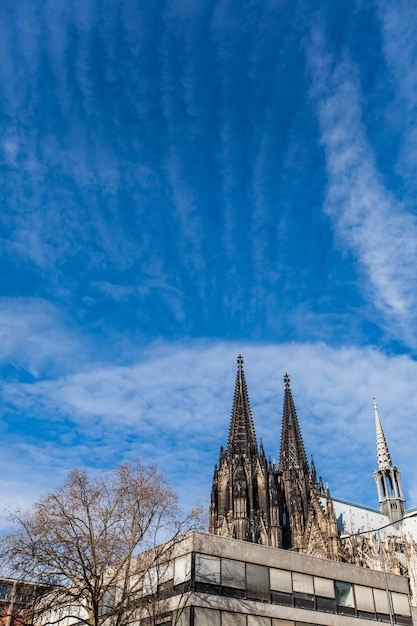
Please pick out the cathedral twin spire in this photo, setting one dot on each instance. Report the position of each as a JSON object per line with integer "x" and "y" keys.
{"x": 242, "y": 438}
{"x": 284, "y": 505}
{"x": 292, "y": 454}
{"x": 252, "y": 499}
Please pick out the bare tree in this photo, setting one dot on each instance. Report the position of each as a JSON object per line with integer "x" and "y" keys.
{"x": 81, "y": 542}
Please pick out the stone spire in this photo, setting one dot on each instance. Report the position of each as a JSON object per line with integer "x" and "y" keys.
{"x": 384, "y": 458}
{"x": 295, "y": 473}
{"x": 292, "y": 457}
{"x": 244, "y": 499}
{"x": 242, "y": 438}
{"x": 387, "y": 477}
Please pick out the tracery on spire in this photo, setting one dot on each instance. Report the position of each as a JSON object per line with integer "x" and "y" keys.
{"x": 242, "y": 439}
{"x": 384, "y": 457}
{"x": 293, "y": 456}
{"x": 387, "y": 476}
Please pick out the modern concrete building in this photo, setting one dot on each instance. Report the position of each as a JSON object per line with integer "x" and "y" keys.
{"x": 216, "y": 581}
{"x": 207, "y": 580}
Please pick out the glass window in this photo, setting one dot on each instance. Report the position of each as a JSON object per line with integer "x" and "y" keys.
{"x": 233, "y": 574}
{"x": 381, "y": 601}
{"x": 302, "y": 583}
{"x": 206, "y": 617}
{"x": 325, "y": 605}
{"x": 233, "y": 619}
{"x": 280, "y": 580}
{"x": 400, "y": 603}
{"x": 344, "y": 593}
{"x": 182, "y": 569}
{"x": 24, "y": 594}
{"x": 257, "y": 581}
{"x": 364, "y": 598}
{"x": 281, "y": 597}
{"x": 165, "y": 571}
{"x": 323, "y": 587}
{"x": 165, "y": 589}
{"x": 303, "y": 600}
{"x": 5, "y": 591}
{"x": 207, "y": 569}
{"x": 150, "y": 582}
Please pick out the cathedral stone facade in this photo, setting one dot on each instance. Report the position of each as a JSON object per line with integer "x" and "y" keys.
{"x": 285, "y": 505}
{"x": 276, "y": 505}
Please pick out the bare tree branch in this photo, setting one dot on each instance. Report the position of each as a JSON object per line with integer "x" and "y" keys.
{"x": 80, "y": 542}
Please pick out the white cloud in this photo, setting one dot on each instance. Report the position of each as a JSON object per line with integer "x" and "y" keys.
{"x": 172, "y": 407}
{"x": 368, "y": 220}
{"x": 399, "y": 30}
{"x": 32, "y": 336}
{"x": 10, "y": 147}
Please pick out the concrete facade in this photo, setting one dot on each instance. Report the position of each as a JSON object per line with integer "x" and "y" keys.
{"x": 223, "y": 582}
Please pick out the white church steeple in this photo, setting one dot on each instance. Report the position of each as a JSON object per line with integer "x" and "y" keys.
{"x": 387, "y": 477}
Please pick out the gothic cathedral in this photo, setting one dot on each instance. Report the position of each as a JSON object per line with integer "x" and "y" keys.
{"x": 284, "y": 505}
{"x": 256, "y": 500}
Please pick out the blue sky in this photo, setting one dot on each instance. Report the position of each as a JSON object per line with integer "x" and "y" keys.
{"x": 186, "y": 180}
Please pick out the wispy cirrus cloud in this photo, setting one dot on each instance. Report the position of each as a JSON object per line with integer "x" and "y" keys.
{"x": 171, "y": 405}
{"x": 370, "y": 222}
{"x": 399, "y": 36}
{"x": 35, "y": 338}
{"x": 165, "y": 169}
{"x": 151, "y": 146}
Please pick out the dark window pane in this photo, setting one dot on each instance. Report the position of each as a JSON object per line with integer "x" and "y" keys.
{"x": 327, "y": 605}
{"x": 281, "y": 597}
{"x": 403, "y": 619}
{"x": 303, "y": 600}
{"x": 257, "y": 582}
{"x": 5, "y": 591}
{"x": 166, "y": 589}
{"x": 232, "y": 592}
{"x": 366, "y": 615}
{"x": 182, "y": 588}
{"x": 345, "y": 610}
{"x": 207, "y": 588}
